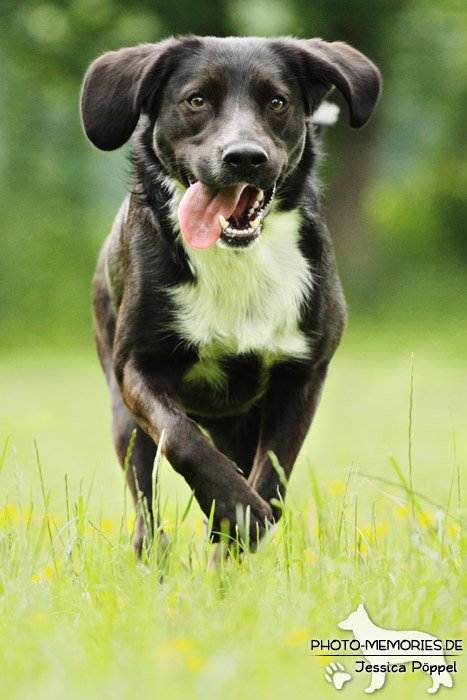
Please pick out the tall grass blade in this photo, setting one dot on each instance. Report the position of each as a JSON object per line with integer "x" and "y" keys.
{"x": 446, "y": 512}
{"x": 211, "y": 520}
{"x": 126, "y": 467}
{"x": 90, "y": 487}
{"x": 279, "y": 469}
{"x": 341, "y": 514}
{"x": 319, "y": 507}
{"x": 188, "y": 507}
{"x": 410, "y": 433}
{"x": 5, "y": 447}
{"x": 410, "y": 494}
{"x": 46, "y": 505}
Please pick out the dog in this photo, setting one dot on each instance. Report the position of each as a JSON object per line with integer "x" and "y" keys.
{"x": 366, "y": 632}
{"x": 217, "y": 305}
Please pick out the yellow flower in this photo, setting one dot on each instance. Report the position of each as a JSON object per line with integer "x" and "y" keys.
{"x": 107, "y": 525}
{"x": 401, "y": 511}
{"x": 10, "y": 514}
{"x": 195, "y": 662}
{"x": 310, "y": 555}
{"x": 372, "y": 530}
{"x": 381, "y": 529}
{"x": 182, "y": 644}
{"x": 179, "y": 645}
{"x": 427, "y": 519}
{"x": 45, "y": 574}
{"x": 297, "y": 636}
{"x": 454, "y": 529}
{"x": 38, "y": 619}
{"x": 367, "y": 531}
{"x": 337, "y": 487}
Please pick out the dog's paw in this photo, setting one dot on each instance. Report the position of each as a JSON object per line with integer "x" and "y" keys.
{"x": 337, "y": 675}
{"x": 253, "y": 523}
{"x": 242, "y": 513}
{"x": 232, "y": 505}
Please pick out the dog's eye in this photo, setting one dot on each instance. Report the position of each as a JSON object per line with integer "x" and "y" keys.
{"x": 277, "y": 103}
{"x": 197, "y": 102}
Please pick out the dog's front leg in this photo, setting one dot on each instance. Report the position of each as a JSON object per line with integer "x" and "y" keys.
{"x": 211, "y": 475}
{"x": 288, "y": 409}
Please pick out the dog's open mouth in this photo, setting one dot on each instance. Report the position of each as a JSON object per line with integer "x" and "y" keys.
{"x": 244, "y": 225}
{"x": 232, "y": 217}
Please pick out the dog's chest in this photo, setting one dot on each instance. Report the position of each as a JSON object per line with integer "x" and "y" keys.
{"x": 245, "y": 302}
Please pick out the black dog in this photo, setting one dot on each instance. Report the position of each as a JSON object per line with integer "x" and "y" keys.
{"x": 216, "y": 297}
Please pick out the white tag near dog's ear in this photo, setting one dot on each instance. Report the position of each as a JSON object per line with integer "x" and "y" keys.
{"x": 327, "y": 114}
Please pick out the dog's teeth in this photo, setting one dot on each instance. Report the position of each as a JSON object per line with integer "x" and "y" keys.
{"x": 260, "y": 195}
{"x": 255, "y": 206}
{"x": 254, "y": 224}
{"x": 224, "y": 224}
{"x": 252, "y": 209}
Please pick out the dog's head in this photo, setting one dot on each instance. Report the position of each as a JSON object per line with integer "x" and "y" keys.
{"x": 228, "y": 118}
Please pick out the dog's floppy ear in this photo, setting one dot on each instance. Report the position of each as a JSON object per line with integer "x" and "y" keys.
{"x": 326, "y": 64}
{"x": 116, "y": 87}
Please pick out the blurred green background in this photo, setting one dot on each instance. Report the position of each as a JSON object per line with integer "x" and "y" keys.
{"x": 395, "y": 191}
{"x": 394, "y": 200}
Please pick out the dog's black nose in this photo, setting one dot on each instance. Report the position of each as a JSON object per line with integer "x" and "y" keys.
{"x": 245, "y": 158}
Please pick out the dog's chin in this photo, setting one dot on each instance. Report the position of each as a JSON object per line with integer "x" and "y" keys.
{"x": 238, "y": 242}
{"x": 245, "y": 234}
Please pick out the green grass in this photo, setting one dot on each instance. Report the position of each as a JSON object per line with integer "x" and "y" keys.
{"x": 80, "y": 619}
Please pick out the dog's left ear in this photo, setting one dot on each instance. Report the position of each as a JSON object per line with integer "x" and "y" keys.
{"x": 324, "y": 64}
{"x": 117, "y": 86}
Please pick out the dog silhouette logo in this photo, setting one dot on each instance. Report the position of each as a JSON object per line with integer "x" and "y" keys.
{"x": 381, "y": 648}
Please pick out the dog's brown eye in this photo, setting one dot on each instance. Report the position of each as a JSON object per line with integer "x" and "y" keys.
{"x": 197, "y": 102}
{"x": 277, "y": 103}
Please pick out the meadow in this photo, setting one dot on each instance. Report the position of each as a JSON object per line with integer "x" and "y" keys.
{"x": 375, "y": 512}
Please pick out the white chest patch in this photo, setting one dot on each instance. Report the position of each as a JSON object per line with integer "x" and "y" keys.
{"x": 247, "y": 300}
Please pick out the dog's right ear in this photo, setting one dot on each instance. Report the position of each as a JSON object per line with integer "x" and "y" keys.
{"x": 116, "y": 87}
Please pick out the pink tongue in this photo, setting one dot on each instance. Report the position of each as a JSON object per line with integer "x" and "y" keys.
{"x": 200, "y": 209}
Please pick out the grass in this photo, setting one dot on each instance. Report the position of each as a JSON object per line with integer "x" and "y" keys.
{"x": 376, "y": 512}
